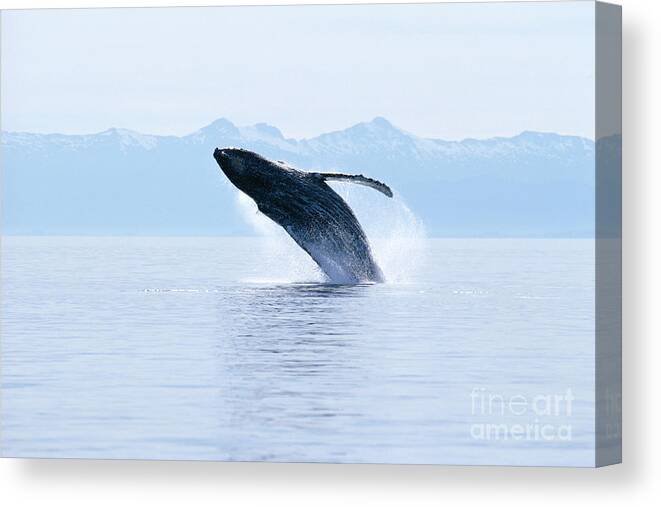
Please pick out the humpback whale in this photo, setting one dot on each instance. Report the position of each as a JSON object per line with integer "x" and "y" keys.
{"x": 311, "y": 212}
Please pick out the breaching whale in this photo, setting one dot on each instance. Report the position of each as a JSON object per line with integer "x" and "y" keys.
{"x": 311, "y": 212}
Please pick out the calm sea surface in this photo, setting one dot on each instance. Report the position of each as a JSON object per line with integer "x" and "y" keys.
{"x": 232, "y": 349}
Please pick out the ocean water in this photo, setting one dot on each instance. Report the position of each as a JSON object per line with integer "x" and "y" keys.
{"x": 474, "y": 352}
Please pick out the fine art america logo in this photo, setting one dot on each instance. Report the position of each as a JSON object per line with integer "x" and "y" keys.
{"x": 541, "y": 417}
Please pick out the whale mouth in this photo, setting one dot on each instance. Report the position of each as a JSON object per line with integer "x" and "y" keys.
{"x": 232, "y": 162}
{"x": 223, "y": 159}
{"x": 220, "y": 155}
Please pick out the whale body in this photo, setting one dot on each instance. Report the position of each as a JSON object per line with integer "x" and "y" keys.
{"x": 311, "y": 212}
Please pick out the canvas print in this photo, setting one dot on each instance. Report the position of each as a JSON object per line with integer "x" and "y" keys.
{"x": 333, "y": 233}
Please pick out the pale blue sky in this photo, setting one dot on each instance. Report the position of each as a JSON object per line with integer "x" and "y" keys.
{"x": 446, "y": 70}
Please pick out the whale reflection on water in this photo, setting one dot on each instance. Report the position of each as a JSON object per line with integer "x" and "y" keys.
{"x": 162, "y": 351}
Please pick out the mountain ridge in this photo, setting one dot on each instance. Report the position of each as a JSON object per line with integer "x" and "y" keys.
{"x": 227, "y": 126}
{"x": 122, "y": 181}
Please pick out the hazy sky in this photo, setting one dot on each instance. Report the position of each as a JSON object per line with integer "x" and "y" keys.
{"x": 446, "y": 70}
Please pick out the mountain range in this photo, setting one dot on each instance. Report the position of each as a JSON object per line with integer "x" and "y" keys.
{"x": 123, "y": 182}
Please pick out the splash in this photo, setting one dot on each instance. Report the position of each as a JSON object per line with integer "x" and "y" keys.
{"x": 396, "y": 235}
{"x": 283, "y": 259}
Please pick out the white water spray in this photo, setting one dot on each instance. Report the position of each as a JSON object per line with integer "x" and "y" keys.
{"x": 396, "y": 235}
{"x": 283, "y": 260}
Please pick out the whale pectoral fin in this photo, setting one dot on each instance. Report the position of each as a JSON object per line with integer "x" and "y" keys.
{"x": 358, "y": 179}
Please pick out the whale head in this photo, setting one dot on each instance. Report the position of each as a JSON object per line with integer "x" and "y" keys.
{"x": 249, "y": 172}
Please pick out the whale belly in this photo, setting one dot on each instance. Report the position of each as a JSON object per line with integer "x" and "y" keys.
{"x": 323, "y": 225}
{"x": 343, "y": 256}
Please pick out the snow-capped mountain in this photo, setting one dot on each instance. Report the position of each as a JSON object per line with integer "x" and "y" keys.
{"x": 124, "y": 182}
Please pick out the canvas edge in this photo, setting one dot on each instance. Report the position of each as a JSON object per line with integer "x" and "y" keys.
{"x": 608, "y": 234}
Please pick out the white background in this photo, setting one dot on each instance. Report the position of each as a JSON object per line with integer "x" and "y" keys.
{"x": 637, "y": 481}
